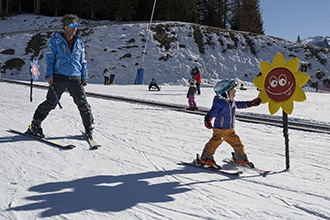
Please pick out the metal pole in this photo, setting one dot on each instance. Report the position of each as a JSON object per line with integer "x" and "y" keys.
{"x": 286, "y": 137}
{"x": 31, "y": 85}
{"x": 57, "y": 100}
{"x": 145, "y": 46}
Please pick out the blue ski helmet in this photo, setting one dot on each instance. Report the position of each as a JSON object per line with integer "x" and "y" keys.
{"x": 222, "y": 87}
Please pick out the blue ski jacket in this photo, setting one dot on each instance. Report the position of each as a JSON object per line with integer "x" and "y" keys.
{"x": 224, "y": 112}
{"x": 61, "y": 60}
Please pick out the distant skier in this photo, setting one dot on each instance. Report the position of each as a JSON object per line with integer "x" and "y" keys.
{"x": 153, "y": 85}
{"x": 106, "y": 75}
{"x": 223, "y": 109}
{"x": 242, "y": 87}
{"x": 191, "y": 95}
{"x": 196, "y": 75}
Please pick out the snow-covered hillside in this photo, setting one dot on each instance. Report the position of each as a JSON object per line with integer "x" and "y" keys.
{"x": 319, "y": 41}
{"x": 135, "y": 175}
{"x": 172, "y": 50}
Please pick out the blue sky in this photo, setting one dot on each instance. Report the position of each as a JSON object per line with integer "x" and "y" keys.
{"x": 289, "y": 18}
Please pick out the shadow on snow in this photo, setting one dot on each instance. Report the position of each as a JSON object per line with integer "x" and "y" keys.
{"x": 105, "y": 193}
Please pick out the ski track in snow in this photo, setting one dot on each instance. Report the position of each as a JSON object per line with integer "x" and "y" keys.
{"x": 135, "y": 174}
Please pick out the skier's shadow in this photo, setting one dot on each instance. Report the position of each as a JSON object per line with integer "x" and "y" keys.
{"x": 104, "y": 193}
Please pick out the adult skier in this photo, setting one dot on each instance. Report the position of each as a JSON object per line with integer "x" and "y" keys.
{"x": 66, "y": 69}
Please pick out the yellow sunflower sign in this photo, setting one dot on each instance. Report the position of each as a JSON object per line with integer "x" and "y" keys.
{"x": 280, "y": 83}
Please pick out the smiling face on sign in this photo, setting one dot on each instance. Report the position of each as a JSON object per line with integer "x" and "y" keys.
{"x": 280, "y": 84}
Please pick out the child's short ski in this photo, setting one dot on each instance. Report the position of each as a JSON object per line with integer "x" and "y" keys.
{"x": 223, "y": 171}
{"x": 262, "y": 172}
{"x": 44, "y": 140}
{"x": 215, "y": 168}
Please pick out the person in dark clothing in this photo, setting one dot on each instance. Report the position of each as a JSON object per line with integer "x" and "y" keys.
{"x": 196, "y": 75}
{"x": 106, "y": 75}
{"x": 191, "y": 95}
{"x": 153, "y": 85}
{"x": 66, "y": 69}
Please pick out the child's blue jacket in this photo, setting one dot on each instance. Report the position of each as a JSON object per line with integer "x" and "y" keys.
{"x": 224, "y": 112}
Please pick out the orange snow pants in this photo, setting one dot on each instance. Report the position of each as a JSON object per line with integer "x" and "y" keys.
{"x": 220, "y": 135}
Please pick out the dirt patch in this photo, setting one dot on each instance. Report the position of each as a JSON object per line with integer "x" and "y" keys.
{"x": 161, "y": 35}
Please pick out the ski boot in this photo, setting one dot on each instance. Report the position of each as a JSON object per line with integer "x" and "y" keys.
{"x": 242, "y": 162}
{"x": 35, "y": 129}
{"x": 209, "y": 163}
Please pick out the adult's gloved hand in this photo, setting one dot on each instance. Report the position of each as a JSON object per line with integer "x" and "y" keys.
{"x": 254, "y": 102}
{"x": 84, "y": 82}
{"x": 208, "y": 122}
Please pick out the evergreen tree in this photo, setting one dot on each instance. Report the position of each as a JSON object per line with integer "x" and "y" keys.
{"x": 173, "y": 10}
{"x": 1, "y": 9}
{"x": 213, "y": 12}
{"x": 250, "y": 19}
{"x": 127, "y": 10}
{"x": 37, "y": 7}
{"x": 201, "y": 11}
{"x": 246, "y": 16}
{"x": 241, "y": 15}
{"x": 298, "y": 39}
{"x": 144, "y": 9}
{"x": 234, "y": 9}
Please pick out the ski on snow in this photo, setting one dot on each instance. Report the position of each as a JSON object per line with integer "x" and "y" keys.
{"x": 195, "y": 163}
{"x": 93, "y": 145}
{"x": 223, "y": 171}
{"x": 260, "y": 171}
{"x": 44, "y": 140}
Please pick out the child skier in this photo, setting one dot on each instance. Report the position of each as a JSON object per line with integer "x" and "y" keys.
{"x": 191, "y": 95}
{"x": 223, "y": 109}
{"x": 196, "y": 75}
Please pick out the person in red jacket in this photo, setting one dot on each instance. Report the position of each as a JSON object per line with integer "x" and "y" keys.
{"x": 196, "y": 75}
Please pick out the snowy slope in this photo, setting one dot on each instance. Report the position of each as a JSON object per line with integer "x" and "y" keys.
{"x": 172, "y": 50}
{"x": 135, "y": 174}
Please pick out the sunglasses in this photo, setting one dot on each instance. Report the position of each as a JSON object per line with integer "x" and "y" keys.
{"x": 73, "y": 25}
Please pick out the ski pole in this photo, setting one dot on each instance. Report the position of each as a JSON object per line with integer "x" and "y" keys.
{"x": 93, "y": 76}
{"x": 57, "y": 100}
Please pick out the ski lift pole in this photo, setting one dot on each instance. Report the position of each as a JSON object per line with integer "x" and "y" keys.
{"x": 145, "y": 46}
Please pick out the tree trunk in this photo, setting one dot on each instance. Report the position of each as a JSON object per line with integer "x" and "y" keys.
{"x": 1, "y": 9}
{"x": 37, "y": 7}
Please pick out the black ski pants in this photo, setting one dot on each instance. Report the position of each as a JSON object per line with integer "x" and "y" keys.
{"x": 76, "y": 90}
